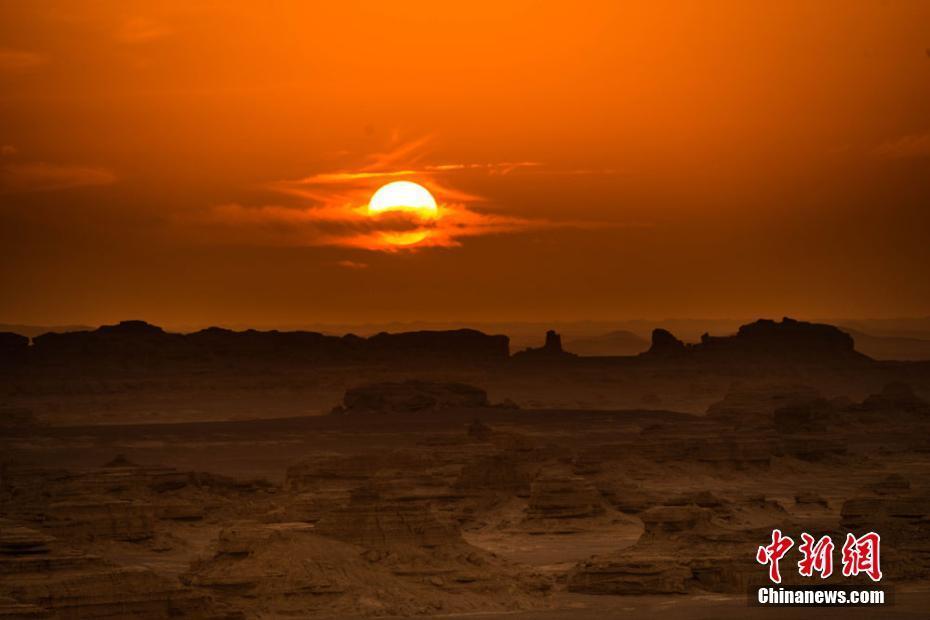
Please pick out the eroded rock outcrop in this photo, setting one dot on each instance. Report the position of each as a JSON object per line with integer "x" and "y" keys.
{"x": 902, "y": 517}
{"x": 756, "y": 403}
{"x": 89, "y": 518}
{"x": 323, "y": 484}
{"x": 684, "y": 548}
{"x": 348, "y": 564}
{"x": 45, "y": 578}
{"x": 118, "y": 502}
{"x": 496, "y": 473}
{"x": 559, "y": 496}
{"x": 895, "y": 397}
{"x": 708, "y": 443}
{"x": 371, "y": 521}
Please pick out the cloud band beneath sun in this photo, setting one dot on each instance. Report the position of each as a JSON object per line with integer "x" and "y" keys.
{"x": 351, "y": 226}
{"x": 333, "y": 209}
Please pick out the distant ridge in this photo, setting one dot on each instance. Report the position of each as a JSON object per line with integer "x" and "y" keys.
{"x": 140, "y": 343}
{"x": 30, "y": 331}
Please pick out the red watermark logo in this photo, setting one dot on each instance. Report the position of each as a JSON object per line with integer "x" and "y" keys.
{"x": 859, "y": 555}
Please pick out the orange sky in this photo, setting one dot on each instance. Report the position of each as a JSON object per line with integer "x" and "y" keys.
{"x": 176, "y": 161}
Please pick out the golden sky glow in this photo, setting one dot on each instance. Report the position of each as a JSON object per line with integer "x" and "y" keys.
{"x": 213, "y": 162}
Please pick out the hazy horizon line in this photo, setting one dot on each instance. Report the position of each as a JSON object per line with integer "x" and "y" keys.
{"x": 448, "y": 323}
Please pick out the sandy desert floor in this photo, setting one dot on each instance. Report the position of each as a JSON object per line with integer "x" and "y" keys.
{"x": 460, "y": 512}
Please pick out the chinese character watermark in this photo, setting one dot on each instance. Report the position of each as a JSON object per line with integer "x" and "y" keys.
{"x": 859, "y": 555}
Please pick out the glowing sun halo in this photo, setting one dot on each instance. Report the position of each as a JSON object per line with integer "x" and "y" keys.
{"x": 403, "y": 196}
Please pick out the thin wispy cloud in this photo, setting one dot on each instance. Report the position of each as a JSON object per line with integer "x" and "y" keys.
{"x": 401, "y": 154}
{"x": 40, "y": 176}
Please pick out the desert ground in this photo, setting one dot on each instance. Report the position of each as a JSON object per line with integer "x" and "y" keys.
{"x": 534, "y": 484}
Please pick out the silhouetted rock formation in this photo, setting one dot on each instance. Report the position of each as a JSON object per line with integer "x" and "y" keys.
{"x": 132, "y": 343}
{"x": 762, "y": 341}
{"x": 136, "y": 344}
{"x": 664, "y": 343}
{"x": 411, "y": 396}
{"x": 553, "y": 343}
{"x": 552, "y": 349}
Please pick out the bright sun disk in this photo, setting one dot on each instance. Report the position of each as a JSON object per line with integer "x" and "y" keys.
{"x": 403, "y": 196}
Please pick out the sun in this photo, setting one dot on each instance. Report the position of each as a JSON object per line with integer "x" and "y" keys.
{"x": 403, "y": 196}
